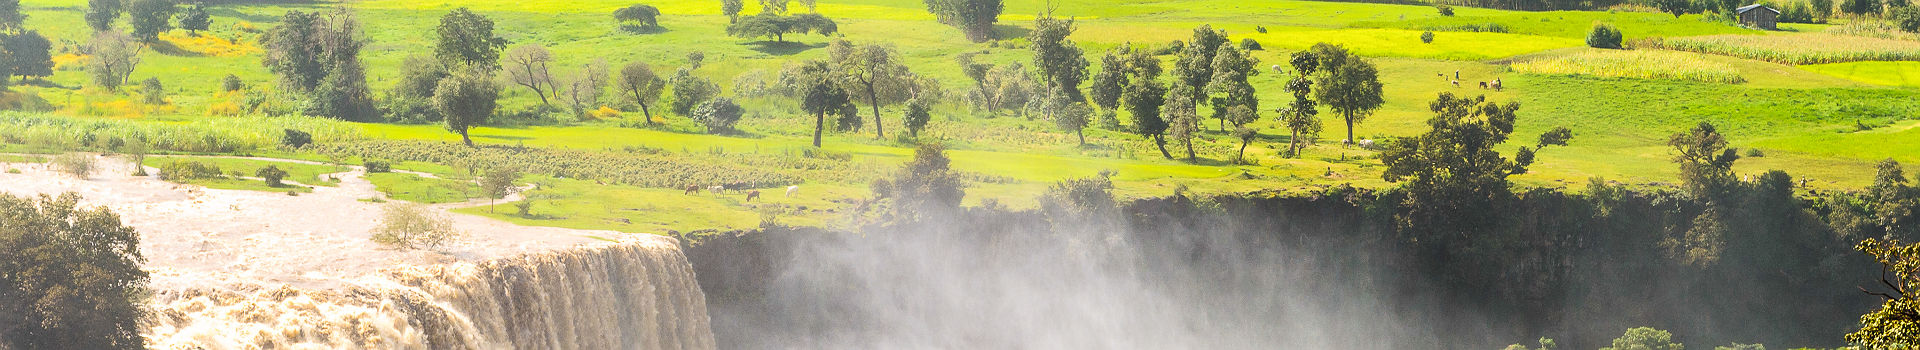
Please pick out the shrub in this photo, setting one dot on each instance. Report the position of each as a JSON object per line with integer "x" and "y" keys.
{"x": 1604, "y": 36}
{"x": 1249, "y": 44}
{"x": 1444, "y": 9}
{"x": 1426, "y": 37}
{"x": 718, "y": 115}
{"x": 1755, "y": 153}
{"x": 378, "y": 166}
{"x": 272, "y": 174}
{"x": 410, "y": 226}
{"x": 295, "y": 139}
{"x": 186, "y": 170}
{"x": 77, "y": 164}
{"x": 1643, "y": 338}
{"x": 152, "y": 93}
{"x": 1261, "y": 29}
{"x": 231, "y": 83}
{"x": 1906, "y": 17}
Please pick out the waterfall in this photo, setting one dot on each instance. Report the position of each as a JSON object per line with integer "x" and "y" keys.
{"x": 636, "y": 294}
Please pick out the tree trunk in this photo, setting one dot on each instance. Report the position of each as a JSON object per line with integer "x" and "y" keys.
{"x": 644, "y": 112}
{"x": 1162, "y": 142}
{"x": 465, "y": 138}
{"x": 1242, "y": 157}
{"x": 879, "y": 132}
{"x": 1082, "y": 133}
{"x": 1293, "y": 145}
{"x": 819, "y": 122}
{"x": 1349, "y": 130}
{"x": 537, "y": 92}
{"x": 1189, "y": 143}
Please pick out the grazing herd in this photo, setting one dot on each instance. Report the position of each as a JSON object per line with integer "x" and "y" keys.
{"x": 737, "y": 187}
{"x": 1484, "y": 85}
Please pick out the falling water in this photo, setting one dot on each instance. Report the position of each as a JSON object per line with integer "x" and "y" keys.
{"x": 637, "y": 294}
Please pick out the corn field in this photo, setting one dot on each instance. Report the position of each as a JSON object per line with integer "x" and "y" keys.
{"x": 1808, "y": 48}
{"x": 1644, "y": 64}
{"x": 206, "y": 135}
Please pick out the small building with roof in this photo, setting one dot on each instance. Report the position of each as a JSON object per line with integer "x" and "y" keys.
{"x": 1758, "y": 16}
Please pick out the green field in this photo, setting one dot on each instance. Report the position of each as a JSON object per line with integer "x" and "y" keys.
{"x": 1807, "y": 119}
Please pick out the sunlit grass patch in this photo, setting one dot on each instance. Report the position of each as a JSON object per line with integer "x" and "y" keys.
{"x": 208, "y": 44}
{"x": 305, "y": 174}
{"x": 1644, "y": 64}
{"x": 417, "y": 189}
{"x": 1905, "y": 73}
{"x": 1809, "y": 48}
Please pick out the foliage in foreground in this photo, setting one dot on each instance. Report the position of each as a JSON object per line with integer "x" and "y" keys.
{"x": 73, "y": 277}
{"x": 413, "y": 226}
{"x": 1643, "y": 64}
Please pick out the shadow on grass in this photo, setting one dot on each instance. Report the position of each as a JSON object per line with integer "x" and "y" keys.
{"x": 1008, "y": 31}
{"x": 783, "y": 48}
{"x": 642, "y": 30}
{"x": 168, "y": 48}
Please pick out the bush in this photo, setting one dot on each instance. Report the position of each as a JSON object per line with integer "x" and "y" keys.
{"x": 1426, "y": 37}
{"x": 1756, "y": 153}
{"x": 77, "y": 164}
{"x": 231, "y": 83}
{"x": 1444, "y": 9}
{"x": 1261, "y": 29}
{"x": 89, "y": 288}
{"x": 185, "y": 170}
{"x": 411, "y": 226}
{"x": 295, "y": 139}
{"x": 1249, "y": 44}
{"x": 718, "y": 115}
{"x": 378, "y": 166}
{"x": 1907, "y": 18}
{"x": 1604, "y": 36}
{"x": 273, "y": 175}
{"x": 152, "y": 93}
{"x": 1644, "y": 338}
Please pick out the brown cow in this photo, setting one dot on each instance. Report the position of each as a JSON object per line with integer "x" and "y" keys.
{"x": 752, "y": 194}
{"x": 693, "y": 189}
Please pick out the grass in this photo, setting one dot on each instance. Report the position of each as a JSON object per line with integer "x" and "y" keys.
{"x": 585, "y": 205}
{"x": 1642, "y": 64}
{"x": 305, "y": 174}
{"x": 1805, "y": 48}
{"x": 418, "y": 189}
{"x": 1903, "y": 74}
{"x": 22, "y": 158}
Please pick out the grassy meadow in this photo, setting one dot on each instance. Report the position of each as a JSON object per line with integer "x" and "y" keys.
{"x": 1621, "y": 104}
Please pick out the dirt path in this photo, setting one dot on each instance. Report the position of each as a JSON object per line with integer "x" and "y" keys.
{"x": 193, "y": 236}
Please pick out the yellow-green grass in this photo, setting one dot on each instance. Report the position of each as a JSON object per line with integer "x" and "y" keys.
{"x": 305, "y": 174}
{"x": 418, "y": 189}
{"x": 1566, "y": 24}
{"x": 1904, "y": 73}
{"x": 1643, "y": 64}
{"x": 1801, "y": 48}
{"x": 586, "y": 205}
{"x": 21, "y": 158}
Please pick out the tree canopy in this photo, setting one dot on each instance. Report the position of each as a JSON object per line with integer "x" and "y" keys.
{"x": 196, "y": 18}
{"x": 973, "y": 17}
{"x": 149, "y": 18}
{"x": 776, "y": 26}
{"x": 1347, "y": 85}
{"x": 101, "y": 13}
{"x": 1060, "y": 62}
{"x": 875, "y": 71}
{"x": 466, "y": 100}
{"x": 643, "y": 15}
{"x": 73, "y": 276}
{"x": 638, "y": 82}
{"x": 467, "y": 40}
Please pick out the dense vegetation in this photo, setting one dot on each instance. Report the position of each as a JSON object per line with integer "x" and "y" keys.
{"x": 70, "y": 276}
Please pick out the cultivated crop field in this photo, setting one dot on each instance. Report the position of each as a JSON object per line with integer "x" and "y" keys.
{"x": 1644, "y": 64}
{"x": 1809, "y": 48}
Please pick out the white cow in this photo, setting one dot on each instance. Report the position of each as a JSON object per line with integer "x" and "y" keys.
{"x": 791, "y": 190}
{"x": 717, "y": 189}
{"x": 1366, "y": 143}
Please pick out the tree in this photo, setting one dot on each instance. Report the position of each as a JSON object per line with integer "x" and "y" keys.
{"x": 1194, "y": 69}
{"x": 875, "y": 71}
{"x": 152, "y": 93}
{"x": 919, "y": 112}
{"x": 114, "y": 57}
{"x": 1860, "y": 7}
{"x": 196, "y": 19}
{"x": 73, "y": 276}
{"x": 419, "y": 75}
{"x": 1603, "y": 36}
{"x": 411, "y": 226}
{"x": 689, "y": 91}
{"x": 11, "y": 19}
{"x": 1894, "y": 324}
{"x": 1060, "y": 62}
{"x": 149, "y": 18}
{"x": 1243, "y": 132}
{"x": 718, "y": 115}
{"x": 1300, "y": 117}
{"x": 1677, "y": 7}
{"x": 975, "y": 18}
{"x": 1644, "y": 338}
{"x": 1074, "y": 116}
{"x": 1706, "y": 164}
{"x": 584, "y": 90}
{"x": 1907, "y": 18}
{"x": 926, "y": 187}
{"x": 1454, "y": 173}
{"x": 465, "y": 100}
{"x": 526, "y": 65}
{"x": 819, "y": 93}
{"x": 642, "y": 15}
{"x": 732, "y": 9}
{"x": 1112, "y": 78}
{"x": 1230, "y": 88}
{"x": 1822, "y": 9}
{"x": 638, "y": 82}
{"x": 1351, "y": 87}
{"x": 272, "y": 175}
{"x": 32, "y": 55}
{"x": 767, "y": 24}
{"x": 467, "y": 40}
{"x": 1144, "y": 96}
{"x": 498, "y": 184}
{"x": 696, "y": 58}
{"x": 777, "y": 7}
{"x": 1183, "y": 115}
{"x": 101, "y": 13}
{"x": 317, "y": 56}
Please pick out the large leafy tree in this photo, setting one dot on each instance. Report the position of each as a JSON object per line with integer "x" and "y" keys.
{"x": 820, "y": 93}
{"x": 777, "y": 26}
{"x": 115, "y": 55}
{"x": 874, "y": 71}
{"x": 1454, "y": 173}
{"x": 974, "y": 17}
{"x": 73, "y": 277}
{"x": 318, "y": 57}
{"x": 1183, "y": 116}
{"x": 638, "y": 82}
{"x": 1144, "y": 96}
{"x": 467, "y": 40}
{"x": 150, "y": 18}
{"x": 718, "y": 115}
{"x": 690, "y": 90}
{"x": 32, "y": 55}
{"x": 1301, "y": 117}
{"x": 195, "y": 19}
{"x": 1061, "y": 63}
{"x": 1897, "y": 322}
{"x": 466, "y": 100}
{"x": 1194, "y": 69}
{"x": 732, "y": 9}
{"x": 1111, "y": 80}
{"x": 101, "y": 13}
{"x": 1349, "y": 86}
{"x": 1706, "y": 163}
{"x": 1230, "y": 88}
{"x": 643, "y": 15}
{"x": 11, "y": 19}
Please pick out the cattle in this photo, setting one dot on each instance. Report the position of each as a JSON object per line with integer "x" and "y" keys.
{"x": 1367, "y": 144}
{"x": 1483, "y": 85}
{"x": 717, "y": 189}
{"x": 735, "y": 186}
{"x": 1456, "y": 83}
{"x": 1496, "y": 85}
{"x": 791, "y": 190}
{"x": 752, "y": 194}
{"x": 693, "y": 189}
